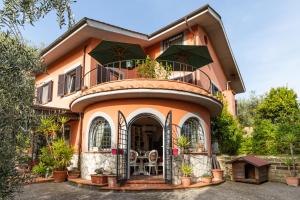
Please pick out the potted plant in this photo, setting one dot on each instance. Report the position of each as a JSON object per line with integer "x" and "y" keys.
{"x": 99, "y": 177}
{"x": 74, "y": 173}
{"x": 206, "y": 178}
{"x": 217, "y": 174}
{"x": 292, "y": 180}
{"x": 112, "y": 179}
{"x": 62, "y": 155}
{"x": 186, "y": 178}
{"x": 183, "y": 143}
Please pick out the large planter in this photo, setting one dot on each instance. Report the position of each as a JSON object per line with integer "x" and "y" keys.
{"x": 99, "y": 178}
{"x": 186, "y": 181}
{"x": 60, "y": 176}
{"x": 73, "y": 174}
{"x": 217, "y": 174}
{"x": 206, "y": 179}
{"x": 112, "y": 181}
{"x": 293, "y": 181}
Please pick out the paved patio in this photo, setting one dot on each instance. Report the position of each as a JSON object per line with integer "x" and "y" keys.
{"x": 228, "y": 190}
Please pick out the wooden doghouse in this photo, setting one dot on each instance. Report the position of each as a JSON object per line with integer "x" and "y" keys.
{"x": 249, "y": 169}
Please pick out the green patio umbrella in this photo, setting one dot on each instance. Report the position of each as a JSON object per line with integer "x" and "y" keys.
{"x": 194, "y": 55}
{"x": 110, "y": 51}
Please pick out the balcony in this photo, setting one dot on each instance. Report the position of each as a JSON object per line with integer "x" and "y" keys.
{"x": 127, "y": 79}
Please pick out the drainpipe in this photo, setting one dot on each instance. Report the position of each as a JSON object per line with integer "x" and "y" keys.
{"x": 227, "y": 85}
{"x": 190, "y": 30}
{"x": 80, "y": 140}
{"x": 83, "y": 67}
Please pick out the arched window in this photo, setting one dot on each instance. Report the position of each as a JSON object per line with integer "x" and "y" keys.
{"x": 193, "y": 130}
{"x": 99, "y": 134}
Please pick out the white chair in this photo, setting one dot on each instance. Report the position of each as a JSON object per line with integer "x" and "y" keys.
{"x": 152, "y": 162}
{"x": 132, "y": 162}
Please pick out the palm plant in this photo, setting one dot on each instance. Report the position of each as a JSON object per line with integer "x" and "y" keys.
{"x": 183, "y": 142}
{"x": 186, "y": 170}
{"x": 291, "y": 140}
{"x": 62, "y": 120}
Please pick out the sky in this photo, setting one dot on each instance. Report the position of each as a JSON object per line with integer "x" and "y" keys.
{"x": 263, "y": 34}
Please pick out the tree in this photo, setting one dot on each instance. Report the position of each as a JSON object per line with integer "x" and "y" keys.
{"x": 18, "y": 63}
{"x": 277, "y": 116}
{"x": 247, "y": 109}
{"x": 280, "y": 105}
{"x": 227, "y": 132}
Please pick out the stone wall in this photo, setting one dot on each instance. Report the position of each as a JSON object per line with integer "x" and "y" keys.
{"x": 277, "y": 171}
{"x": 200, "y": 163}
{"x": 93, "y": 160}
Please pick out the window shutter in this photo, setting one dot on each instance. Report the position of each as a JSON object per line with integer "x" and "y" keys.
{"x": 102, "y": 74}
{"x": 39, "y": 92}
{"x": 50, "y": 89}
{"x": 61, "y": 85}
{"x": 78, "y": 78}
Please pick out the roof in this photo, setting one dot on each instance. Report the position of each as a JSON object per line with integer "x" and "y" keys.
{"x": 205, "y": 16}
{"x": 257, "y": 162}
{"x": 86, "y": 19}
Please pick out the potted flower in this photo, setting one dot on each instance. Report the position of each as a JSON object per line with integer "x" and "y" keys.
{"x": 74, "y": 173}
{"x": 99, "y": 177}
{"x": 186, "y": 178}
{"x": 62, "y": 155}
{"x": 217, "y": 174}
{"x": 206, "y": 178}
{"x": 292, "y": 180}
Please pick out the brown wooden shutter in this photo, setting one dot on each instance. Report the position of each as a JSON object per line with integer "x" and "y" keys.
{"x": 50, "y": 89}
{"x": 78, "y": 78}
{"x": 93, "y": 72}
{"x": 61, "y": 85}
{"x": 102, "y": 74}
{"x": 39, "y": 93}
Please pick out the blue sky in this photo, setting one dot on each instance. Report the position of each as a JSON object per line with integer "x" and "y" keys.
{"x": 264, "y": 35}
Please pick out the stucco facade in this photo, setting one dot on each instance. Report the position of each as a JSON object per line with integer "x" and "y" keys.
{"x": 141, "y": 101}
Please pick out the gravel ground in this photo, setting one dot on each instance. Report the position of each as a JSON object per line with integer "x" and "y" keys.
{"x": 228, "y": 190}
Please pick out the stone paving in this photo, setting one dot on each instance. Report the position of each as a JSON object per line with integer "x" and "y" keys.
{"x": 228, "y": 190}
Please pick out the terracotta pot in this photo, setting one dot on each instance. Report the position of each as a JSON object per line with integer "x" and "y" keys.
{"x": 99, "y": 179}
{"x": 217, "y": 174}
{"x": 293, "y": 181}
{"x": 60, "y": 176}
{"x": 186, "y": 181}
{"x": 206, "y": 179}
{"x": 112, "y": 181}
{"x": 73, "y": 174}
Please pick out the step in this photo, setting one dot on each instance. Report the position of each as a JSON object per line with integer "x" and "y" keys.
{"x": 155, "y": 181}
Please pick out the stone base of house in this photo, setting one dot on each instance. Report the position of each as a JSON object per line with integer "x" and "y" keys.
{"x": 93, "y": 160}
{"x": 200, "y": 164}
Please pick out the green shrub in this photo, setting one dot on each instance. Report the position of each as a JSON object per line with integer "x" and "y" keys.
{"x": 39, "y": 169}
{"x": 206, "y": 175}
{"x": 62, "y": 154}
{"x": 46, "y": 158}
{"x": 227, "y": 132}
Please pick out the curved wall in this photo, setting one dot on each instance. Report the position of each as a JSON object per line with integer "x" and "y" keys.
{"x": 130, "y": 108}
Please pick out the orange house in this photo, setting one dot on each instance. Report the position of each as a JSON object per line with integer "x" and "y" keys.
{"x": 126, "y": 114}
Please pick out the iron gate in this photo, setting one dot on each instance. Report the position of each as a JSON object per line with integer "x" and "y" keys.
{"x": 122, "y": 149}
{"x": 168, "y": 148}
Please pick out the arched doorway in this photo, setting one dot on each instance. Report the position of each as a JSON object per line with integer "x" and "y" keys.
{"x": 146, "y": 146}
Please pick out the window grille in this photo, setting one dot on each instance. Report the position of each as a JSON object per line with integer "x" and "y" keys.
{"x": 193, "y": 130}
{"x": 100, "y": 134}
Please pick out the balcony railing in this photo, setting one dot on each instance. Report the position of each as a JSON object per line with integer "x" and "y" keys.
{"x": 128, "y": 69}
